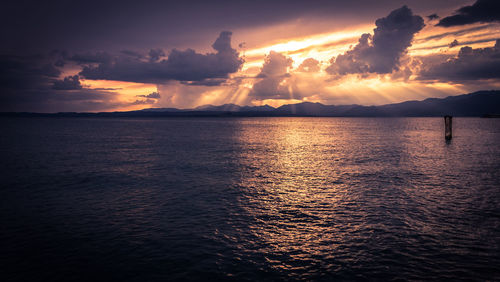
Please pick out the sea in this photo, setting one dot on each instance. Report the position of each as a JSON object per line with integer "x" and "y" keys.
{"x": 249, "y": 199}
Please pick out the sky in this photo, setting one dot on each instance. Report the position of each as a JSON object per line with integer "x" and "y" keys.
{"x": 91, "y": 56}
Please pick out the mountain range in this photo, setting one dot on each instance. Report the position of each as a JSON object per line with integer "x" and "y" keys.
{"x": 481, "y": 103}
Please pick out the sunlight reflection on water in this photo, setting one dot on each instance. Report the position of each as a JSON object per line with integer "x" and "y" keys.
{"x": 323, "y": 197}
{"x": 251, "y": 198}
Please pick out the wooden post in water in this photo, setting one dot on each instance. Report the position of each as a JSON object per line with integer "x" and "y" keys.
{"x": 448, "y": 127}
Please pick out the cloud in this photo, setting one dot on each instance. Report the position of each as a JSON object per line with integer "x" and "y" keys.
{"x": 132, "y": 24}
{"x": 309, "y": 65}
{"x": 26, "y": 72}
{"x": 465, "y": 31}
{"x": 184, "y": 65}
{"x": 154, "y": 95}
{"x": 156, "y": 54}
{"x": 470, "y": 64}
{"x": 180, "y": 95}
{"x": 89, "y": 57}
{"x": 107, "y": 88}
{"x": 48, "y": 100}
{"x": 275, "y": 64}
{"x": 59, "y": 63}
{"x": 206, "y": 82}
{"x": 467, "y": 42}
{"x": 30, "y": 83}
{"x": 132, "y": 54}
{"x": 144, "y": 102}
{"x": 483, "y": 11}
{"x": 68, "y": 83}
{"x": 381, "y": 52}
{"x": 433, "y": 17}
{"x": 33, "y": 83}
{"x": 274, "y": 72}
{"x": 453, "y": 43}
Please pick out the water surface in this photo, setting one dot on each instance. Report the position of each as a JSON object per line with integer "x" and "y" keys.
{"x": 249, "y": 199}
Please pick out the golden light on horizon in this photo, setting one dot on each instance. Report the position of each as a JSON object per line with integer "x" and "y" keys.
{"x": 318, "y": 46}
{"x": 368, "y": 89}
{"x": 437, "y": 40}
{"x": 128, "y": 91}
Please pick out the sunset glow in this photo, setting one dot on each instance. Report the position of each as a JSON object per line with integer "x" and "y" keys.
{"x": 397, "y": 55}
{"x": 262, "y": 140}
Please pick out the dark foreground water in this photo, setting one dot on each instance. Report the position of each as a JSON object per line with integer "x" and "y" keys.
{"x": 249, "y": 199}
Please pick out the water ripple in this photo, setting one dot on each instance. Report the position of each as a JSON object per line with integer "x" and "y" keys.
{"x": 249, "y": 199}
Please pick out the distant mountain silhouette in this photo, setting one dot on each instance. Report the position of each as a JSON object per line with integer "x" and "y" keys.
{"x": 481, "y": 103}
{"x": 234, "y": 108}
{"x": 473, "y": 104}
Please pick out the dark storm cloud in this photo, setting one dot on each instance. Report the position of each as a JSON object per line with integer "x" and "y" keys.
{"x": 153, "y": 95}
{"x": 273, "y": 72}
{"x": 483, "y": 11}
{"x": 184, "y": 65}
{"x": 381, "y": 52}
{"x": 470, "y": 64}
{"x": 68, "y": 83}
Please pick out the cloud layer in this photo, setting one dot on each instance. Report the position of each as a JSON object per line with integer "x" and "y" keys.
{"x": 153, "y": 95}
{"x": 68, "y": 83}
{"x": 470, "y": 64}
{"x": 273, "y": 73}
{"x": 180, "y": 65}
{"x": 137, "y": 74}
{"x": 482, "y": 11}
{"x": 380, "y": 53}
